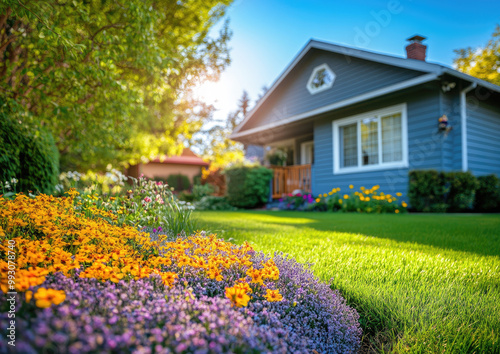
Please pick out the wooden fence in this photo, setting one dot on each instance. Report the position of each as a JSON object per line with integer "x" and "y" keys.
{"x": 289, "y": 178}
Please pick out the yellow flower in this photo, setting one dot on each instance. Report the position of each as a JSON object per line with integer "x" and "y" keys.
{"x": 398, "y": 194}
{"x": 351, "y": 186}
{"x": 404, "y": 205}
{"x": 346, "y": 196}
{"x": 362, "y": 188}
{"x": 318, "y": 200}
{"x": 273, "y": 295}
{"x": 237, "y": 296}
{"x": 396, "y": 211}
{"x": 367, "y": 199}
{"x": 340, "y": 201}
{"x": 29, "y": 295}
{"x": 325, "y": 195}
{"x": 46, "y": 297}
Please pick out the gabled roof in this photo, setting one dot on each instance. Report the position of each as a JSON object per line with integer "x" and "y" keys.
{"x": 186, "y": 158}
{"x": 432, "y": 71}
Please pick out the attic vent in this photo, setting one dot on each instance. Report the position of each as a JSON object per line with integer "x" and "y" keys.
{"x": 321, "y": 79}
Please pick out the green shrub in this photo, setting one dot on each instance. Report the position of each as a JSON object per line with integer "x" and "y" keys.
{"x": 427, "y": 190}
{"x": 248, "y": 186}
{"x": 433, "y": 191}
{"x": 213, "y": 203}
{"x": 186, "y": 196}
{"x": 179, "y": 182}
{"x": 202, "y": 190}
{"x": 461, "y": 188}
{"x": 488, "y": 194}
{"x": 29, "y": 155}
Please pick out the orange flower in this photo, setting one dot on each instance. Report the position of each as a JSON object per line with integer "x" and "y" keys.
{"x": 237, "y": 296}
{"x": 46, "y": 297}
{"x": 273, "y": 295}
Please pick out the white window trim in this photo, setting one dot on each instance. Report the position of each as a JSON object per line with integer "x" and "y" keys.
{"x": 303, "y": 147}
{"x": 315, "y": 90}
{"x": 400, "y": 108}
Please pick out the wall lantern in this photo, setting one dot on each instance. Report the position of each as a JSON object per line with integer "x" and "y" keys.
{"x": 443, "y": 124}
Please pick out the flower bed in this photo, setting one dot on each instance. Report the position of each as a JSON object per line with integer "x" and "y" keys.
{"x": 364, "y": 200}
{"x": 87, "y": 282}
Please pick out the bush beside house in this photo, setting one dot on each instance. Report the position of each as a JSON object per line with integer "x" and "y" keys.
{"x": 434, "y": 191}
{"x": 248, "y": 186}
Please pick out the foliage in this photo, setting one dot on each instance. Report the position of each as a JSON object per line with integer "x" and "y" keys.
{"x": 422, "y": 283}
{"x": 130, "y": 291}
{"x": 362, "y": 201}
{"x": 483, "y": 63}
{"x": 462, "y": 190}
{"x": 488, "y": 194}
{"x": 83, "y": 68}
{"x": 213, "y": 203}
{"x": 216, "y": 178}
{"x": 28, "y": 155}
{"x": 248, "y": 186}
{"x": 214, "y": 142}
{"x": 202, "y": 190}
{"x": 277, "y": 157}
{"x": 179, "y": 182}
{"x": 427, "y": 189}
{"x": 112, "y": 182}
{"x": 433, "y": 191}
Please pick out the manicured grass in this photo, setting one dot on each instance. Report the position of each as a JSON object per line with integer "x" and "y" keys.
{"x": 421, "y": 282}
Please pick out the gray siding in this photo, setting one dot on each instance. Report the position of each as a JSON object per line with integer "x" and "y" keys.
{"x": 483, "y": 138}
{"x": 424, "y": 144}
{"x": 353, "y": 77}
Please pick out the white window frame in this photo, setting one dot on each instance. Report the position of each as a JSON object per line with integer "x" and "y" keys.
{"x": 314, "y": 90}
{"x": 303, "y": 147}
{"x": 400, "y": 108}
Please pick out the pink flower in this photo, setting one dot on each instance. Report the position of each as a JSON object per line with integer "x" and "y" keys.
{"x": 147, "y": 200}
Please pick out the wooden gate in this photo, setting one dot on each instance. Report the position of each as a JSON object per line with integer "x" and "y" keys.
{"x": 289, "y": 178}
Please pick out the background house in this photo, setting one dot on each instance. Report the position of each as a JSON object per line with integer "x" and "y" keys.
{"x": 349, "y": 116}
{"x": 188, "y": 164}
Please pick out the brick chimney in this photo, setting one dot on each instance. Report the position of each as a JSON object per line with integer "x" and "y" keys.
{"x": 416, "y": 50}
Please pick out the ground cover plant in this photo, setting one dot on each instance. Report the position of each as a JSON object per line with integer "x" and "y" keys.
{"x": 420, "y": 282}
{"x": 89, "y": 282}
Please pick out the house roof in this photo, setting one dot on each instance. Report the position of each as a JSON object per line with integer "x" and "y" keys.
{"x": 186, "y": 158}
{"x": 431, "y": 72}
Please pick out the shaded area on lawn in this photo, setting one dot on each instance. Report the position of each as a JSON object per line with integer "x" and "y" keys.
{"x": 421, "y": 282}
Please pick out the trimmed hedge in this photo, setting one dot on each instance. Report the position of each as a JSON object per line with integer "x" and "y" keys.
{"x": 433, "y": 191}
{"x": 488, "y": 194}
{"x": 28, "y": 154}
{"x": 248, "y": 187}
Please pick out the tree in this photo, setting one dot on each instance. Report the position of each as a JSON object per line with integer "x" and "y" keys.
{"x": 110, "y": 79}
{"x": 215, "y": 143}
{"x": 483, "y": 63}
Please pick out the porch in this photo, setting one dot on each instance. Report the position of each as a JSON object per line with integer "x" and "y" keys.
{"x": 289, "y": 178}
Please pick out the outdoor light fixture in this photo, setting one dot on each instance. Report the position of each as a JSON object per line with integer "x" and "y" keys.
{"x": 443, "y": 124}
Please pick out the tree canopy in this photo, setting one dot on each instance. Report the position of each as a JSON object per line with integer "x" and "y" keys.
{"x": 110, "y": 79}
{"x": 483, "y": 63}
{"x": 214, "y": 142}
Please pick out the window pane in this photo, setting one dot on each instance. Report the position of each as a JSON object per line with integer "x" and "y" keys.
{"x": 348, "y": 145}
{"x": 392, "y": 144}
{"x": 369, "y": 141}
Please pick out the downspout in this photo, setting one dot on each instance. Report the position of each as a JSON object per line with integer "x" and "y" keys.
{"x": 463, "y": 122}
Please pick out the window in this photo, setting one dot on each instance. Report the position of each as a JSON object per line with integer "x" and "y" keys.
{"x": 371, "y": 141}
{"x": 321, "y": 79}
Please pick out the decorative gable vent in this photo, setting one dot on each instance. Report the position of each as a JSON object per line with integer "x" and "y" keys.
{"x": 322, "y": 78}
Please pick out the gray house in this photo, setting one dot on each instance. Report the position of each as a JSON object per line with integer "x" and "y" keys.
{"x": 348, "y": 116}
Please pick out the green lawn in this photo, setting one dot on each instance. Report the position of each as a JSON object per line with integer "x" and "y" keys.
{"x": 421, "y": 282}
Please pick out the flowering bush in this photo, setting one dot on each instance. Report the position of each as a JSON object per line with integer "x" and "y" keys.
{"x": 85, "y": 283}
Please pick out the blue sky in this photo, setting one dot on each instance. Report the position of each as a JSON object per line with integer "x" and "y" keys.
{"x": 267, "y": 34}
